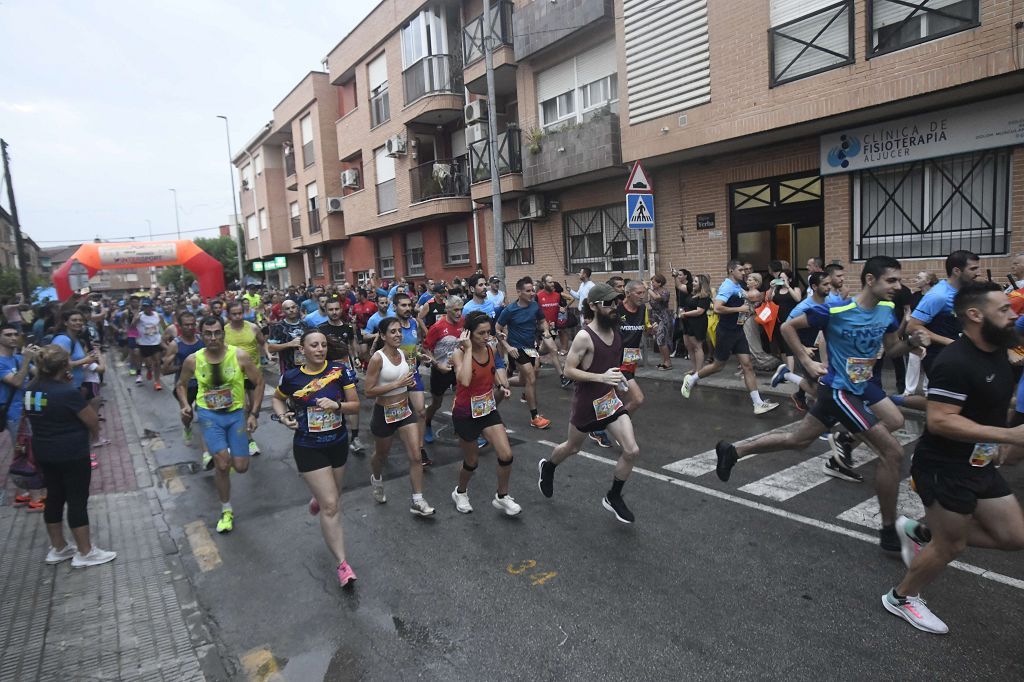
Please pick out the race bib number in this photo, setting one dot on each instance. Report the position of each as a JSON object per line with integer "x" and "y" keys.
{"x": 150, "y": 330}
{"x": 482, "y": 405}
{"x": 530, "y": 352}
{"x": 300, "y": 357}
{"x": 320, "y": 420}
{"x": 218, "y": 398}
{"x": 859, "y": 369}
{"x": 397, "y": 412}
{"x": 983, "y": 453}
{"x": 607, "y": 405}
{"x": 630, "y": 356}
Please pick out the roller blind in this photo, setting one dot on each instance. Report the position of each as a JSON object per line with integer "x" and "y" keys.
{"x": 377, "y": 72}
{"x": 788, "y": 10}
{"x": 384, "y": 165}
{"x": 556, "y": 80}
{"x": 884, "y": 13}
{"x": 596, "y": 63}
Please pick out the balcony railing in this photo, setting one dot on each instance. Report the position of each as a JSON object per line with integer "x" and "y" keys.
{"x": 437, "y": 73}
{"x": 289, "y": 164}
{"x": 314, "y": 221}
{"x": 387, "y": 197}
{"x": 501, "y": 31}
{"x": 296, "y": 227}
{"x": 510, "y": 155}
{"x": 439, "y": 179}
{"x": 380, "y": 108}
{"x": 414, "y": 261}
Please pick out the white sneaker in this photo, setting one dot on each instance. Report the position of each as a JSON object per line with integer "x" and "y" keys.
{"x": 356, "y": 445}
{"x": 914, "y": 611}
{"x": 56, "y": 556}
{"x": 765, "y": 406}
{"x": 909, "y": 547}
{"x": 506, "y": 504}
{"x": 687, "y": 385}
{"x": 95, "y": 557}
{"x": 377, "y": 484}
{"x": 461, "y": 501}
{"x": 421, "y": 507}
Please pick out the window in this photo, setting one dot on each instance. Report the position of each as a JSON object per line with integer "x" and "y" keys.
{"x": 306, "y": 129}
{"x": 895, "y": 24}
{"x": 600, "y": 92}
{"x": 318, "y": 264}
{"x": 246, "y": 178}
{"x": 293, "y": 213}
{"x": 263, "y": 218}
{"x": 808, "y": 37}
{"x": 250, "y": 226}
{"x": 568, "y": 90}
{"x": 385, "y": 257}
{"x": 456, "y": 244}
{"x": 518, "y": 242}
{"x": 377, "y": 76}
{"x": 257, "y": 162}
{"x": 414, "y": 253}
{"x": 313, "y": 208}
{"x": 387, "y": 192}
{"x": 131, "y": 277}
{"x": 599, "y": 239}
{"x": 427, "y": 66}
{"x": 557, "y": 109}
{"x": 338, "y": 263}
{"x": 930, "y": 208}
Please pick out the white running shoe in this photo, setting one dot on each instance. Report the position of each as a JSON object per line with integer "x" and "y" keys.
{"x": 377, "y": 484}
{"x": 914, "y": 611}
{"x": 506, "y": 504}
{"x": 765, "y": 406}
{"x": 687, "y": 386}
{"x": 356, "y": 445}
{"x": 95, "y": 557}
{"x": 461, "y": 501}
{"x": 55, "y": 556}
{"x": 421, "y": 507}
{"x": 909, "y": 547}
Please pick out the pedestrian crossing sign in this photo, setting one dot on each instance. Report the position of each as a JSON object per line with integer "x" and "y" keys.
{"x": 640, "y": 211}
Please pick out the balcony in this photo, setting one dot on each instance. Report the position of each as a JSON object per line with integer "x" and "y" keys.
{"x": 510, "y": 156}
{"x": 436, "y": 74}
{"x": 532, "y": 27}
{"x": 475, "y": 75}
{"x": 501, "y": 32}
{"x": 592, "y": 148}
{"x": 439, "y": 179}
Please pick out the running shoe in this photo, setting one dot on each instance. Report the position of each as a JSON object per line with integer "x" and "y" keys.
{"x": 92, "y": 461}
{"x": 834, "y": 467}
{"x": 157, "y": 386}
{"x": 461, "y": 501}
{"x": 254, "y": 450}
{"x": 780, "y": 375}
{"x": 764, "y": 406}
{"x": 799, "y": 400}
{"x": 101, "y": 442}
{"x": 910, "y": 547}
{"x": 540, "y": 422}
{"x": 131, "y": 371}
{"x": 56, "y": 556}
{"x": 687, "y": 385}
{"x": 546, "y": 477}
{"x": 601, "y": 438}
{"x": 207, "y": 461}
{"x": 616, "y": 505}
{"x": 95, "y": 557}
{"x": 428, "y": 435}
{"x": 149, "y": 375}
{"x": 377, "y": 484}
{"x": 357, "y": 445}
{"x": 421, "y": 507}
{"x": 424, "y": 459}
{"x": 481, "y": 443}
{"x": 506, "y": 504}
{"x": 186, "y": 434}
{"x": 915, "y": 611}
{"x": 314, "y": 507}
{"x": 138, "y": 379}
{"x": 346, "y": 576}
{"x": 37, "y": 506}
{"x": 522, "y": 398}
{"x": 842, "y": 445}
{"x": 889, "y": 539}
{"x": 227, "y": 521}
{"x": 564, "y": 382}
{"x": 727, "y": 458}
{"x": 21, "y": 500}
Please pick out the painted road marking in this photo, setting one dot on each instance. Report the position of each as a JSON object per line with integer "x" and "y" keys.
{"x": 261, "y": 666}
{"x": 705, "y": 462}
{"x": 869, "y": 515}
{"x": 172, "y": 481}
{"x": 799, "y": 518}
{"x": 203, "y": 547}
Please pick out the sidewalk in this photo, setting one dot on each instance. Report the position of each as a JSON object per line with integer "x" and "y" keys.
{"x": 131, "y": 619}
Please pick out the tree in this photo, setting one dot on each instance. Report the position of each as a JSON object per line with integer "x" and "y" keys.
{"x": 221, "y": 248}
{"x": 10, "y": 283}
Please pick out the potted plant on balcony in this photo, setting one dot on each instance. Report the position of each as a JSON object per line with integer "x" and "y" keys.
{"x": 533, "y": 140}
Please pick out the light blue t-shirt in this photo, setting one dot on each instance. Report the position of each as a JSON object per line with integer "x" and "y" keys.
{"x": 487, "y": 306}
{"x": 373, "y": 323}
{"x": 936, "y": 311}
{"x": 424, "y": 297}
{"x": 310, "y": 305}
{"x": 10, "y": 364}
{"x": 732, "y": 294}
{"x": 315, "y": 318}
{"x": 854, "y": 338}
{"x": 77, "y": 352}
{"x": 807, "y": 336}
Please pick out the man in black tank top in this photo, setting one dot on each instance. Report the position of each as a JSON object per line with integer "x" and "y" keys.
{"x": 593, "y": 363}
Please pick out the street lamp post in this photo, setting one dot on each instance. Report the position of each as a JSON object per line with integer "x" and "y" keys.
{"x": 234, "y": 202}
{"x": 177, "y": 223}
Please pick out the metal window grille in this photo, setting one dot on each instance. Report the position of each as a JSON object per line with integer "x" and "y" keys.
{"x": 808, "y": 45}
{"x": 895, "y": 24}
{"x": 599, "y": 239}
{"x": 518, "y": 242}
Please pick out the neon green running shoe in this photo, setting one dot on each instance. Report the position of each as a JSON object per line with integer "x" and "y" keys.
{"x": 227, "y": 521}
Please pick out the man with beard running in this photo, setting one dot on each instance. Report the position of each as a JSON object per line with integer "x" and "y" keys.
{"x": 339, "y": 336}
{"x": 477, "y": 285}
{"x": 286, "y": 336}
{"x": 412, "y": 333}
{"x": 967, "y": 502}
{"x": 441, "y": 341}
{"x": 593, "y": 363}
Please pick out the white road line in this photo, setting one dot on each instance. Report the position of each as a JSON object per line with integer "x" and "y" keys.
{"x": 869, "y": 515}
{"x": 798, "y": 518}
{"x": 705, "y": 462}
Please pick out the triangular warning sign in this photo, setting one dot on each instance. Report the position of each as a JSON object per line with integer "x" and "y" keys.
{"x": 640, "y": 214}
{"x": 638, "y": 182}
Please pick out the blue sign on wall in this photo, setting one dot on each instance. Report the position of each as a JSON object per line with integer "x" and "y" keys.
{"x": 640, "y": 211}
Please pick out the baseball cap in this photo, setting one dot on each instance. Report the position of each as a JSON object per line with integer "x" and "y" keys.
{"x": 147, "y": 301}
{"x": 602, "y": 293}
{"x": 494, "y": 278}
{"x": 440, "y": 288}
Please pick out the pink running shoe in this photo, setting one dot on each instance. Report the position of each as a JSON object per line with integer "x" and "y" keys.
{"x": 346, "y": 576}
{"x": 314, "y": 507}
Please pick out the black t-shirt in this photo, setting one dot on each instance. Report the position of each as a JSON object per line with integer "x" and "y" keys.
{"x": 338, "y": 338}
{"x": 981, "y": 384}
{"x": 695, "y": 326}
{"x": 58, "y": 435}
{"x": 904, "y": 297}
{"x": 435, "y": 309}
{"x": 283, "y": 332}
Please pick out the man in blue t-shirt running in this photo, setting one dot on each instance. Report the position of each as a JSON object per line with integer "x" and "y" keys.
{"x": 855, "y": 333}
{"x": 517, "y": 328}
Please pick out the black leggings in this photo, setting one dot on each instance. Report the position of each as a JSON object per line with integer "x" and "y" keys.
{"x": 67, "y": 483}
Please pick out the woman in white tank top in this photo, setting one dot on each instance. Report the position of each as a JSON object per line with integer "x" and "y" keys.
{"x": 388, "y": 380}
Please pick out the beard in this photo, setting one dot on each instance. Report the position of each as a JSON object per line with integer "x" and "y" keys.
{"x": 607, "y": 320}
{"x": 1000, "y": 337}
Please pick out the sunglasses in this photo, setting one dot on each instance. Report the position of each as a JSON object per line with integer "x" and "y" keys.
{"x": 608, "y": 304}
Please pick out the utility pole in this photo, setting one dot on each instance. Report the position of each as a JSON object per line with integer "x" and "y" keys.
{"x": 177, "y": 222}
{"x": 19, "y": 242}
{"x": 492, "y": 147}
{"x": 234, "y": 204}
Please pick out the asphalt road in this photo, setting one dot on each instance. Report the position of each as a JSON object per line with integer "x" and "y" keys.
{"x": 775, "y": 574}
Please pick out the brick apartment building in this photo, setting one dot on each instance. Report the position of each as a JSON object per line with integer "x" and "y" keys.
{"x": 770, "y": 128}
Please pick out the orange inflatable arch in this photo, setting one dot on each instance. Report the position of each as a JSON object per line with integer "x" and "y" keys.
{"x": 98, "y": 256}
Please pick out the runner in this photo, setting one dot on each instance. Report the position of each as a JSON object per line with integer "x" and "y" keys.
{"x": 221, "y": 371}
{"x": 174, "y": 357}
{"x": 319, "y": 315}
{"x": 475, "y": 413}
{"x": 241, "y": 333}
{"x": 967, "y": 502}
{"x": 517, "y": 326}
{"x": 593, "y": 363}
{"x": 312, "y": 401}
{"x": 147, "y": 323}
{"x": 495, "y": 295}
{"x": 412, "y": 333}
{"x": 731, "y": 307}
{"x": 477, "y": 284}
{"x": 441, "y": 341}
{"x": 389, "y": 379}
{"x": 550, "y": 302}
{"x": 817, "y": 293}
{"x": 339, "y": 335}
{"x": 285, "y": 337}
{"x": 855, "y": 333}
{"x": 432, "y": 309}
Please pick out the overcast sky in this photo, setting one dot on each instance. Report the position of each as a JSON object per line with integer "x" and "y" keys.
{"x": 106, "y": 105}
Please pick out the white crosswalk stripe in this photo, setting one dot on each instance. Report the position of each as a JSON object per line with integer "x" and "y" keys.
{"x": 705, "y": 462}
{"x": 867, "y": 513}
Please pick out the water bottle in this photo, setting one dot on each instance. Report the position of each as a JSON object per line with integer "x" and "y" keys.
{"x": 623, "y": 386}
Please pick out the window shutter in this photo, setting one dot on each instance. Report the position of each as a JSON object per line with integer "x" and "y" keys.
{"x": 306, "y": 126}
{"x": 414, "y": 240}
{"x": 377, "y": 72}
{"x": 556, "y": 80}
{"x": 788, "y": 10}
{"x": 459, "y": 143}
{"x": 885, "y": 13}
{"x": 596, "y": 63}
{"x": 384, "y": 165}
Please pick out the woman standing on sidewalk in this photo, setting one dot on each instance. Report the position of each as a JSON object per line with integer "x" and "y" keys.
{"x": 694, "y": 317}
{"x": 311, "y": 400}
{"x": 661, "y": 318}
{"x": 62, "y": 423}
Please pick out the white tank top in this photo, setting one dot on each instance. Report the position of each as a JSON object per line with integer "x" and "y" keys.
{"x": 390, "y": 372}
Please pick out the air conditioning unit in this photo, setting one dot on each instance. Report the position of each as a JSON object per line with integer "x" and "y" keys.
{"x": 350, "y": 178}
{"x": 476, "y": 132}
{"x": 395, "y": 146}
{"x": 334, "y": 204}
{"x": 476, "y": 111}
{"x": 531, "y": 207}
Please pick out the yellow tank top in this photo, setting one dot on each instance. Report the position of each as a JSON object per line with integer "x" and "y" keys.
{"x": 230, "y": 394}
{"x": 244, "y": 339}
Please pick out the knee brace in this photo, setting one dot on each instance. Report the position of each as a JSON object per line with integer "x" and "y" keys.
{"x": 506, "y": 463}
{"x": 468, "y": 468}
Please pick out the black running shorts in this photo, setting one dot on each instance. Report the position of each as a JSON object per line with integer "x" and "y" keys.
{"x": 959, "y": 491}
{"x": 731, "y": 342}
{"x": 469, "y": 429}
{"x": 440, "y": 381}
{"x": 311, "y": 459}
{"x": 381, "y": 429}
{"x": 849, "y": 409}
